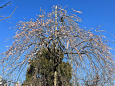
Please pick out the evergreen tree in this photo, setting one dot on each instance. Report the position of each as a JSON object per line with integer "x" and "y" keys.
{"x": 42, "y": 68}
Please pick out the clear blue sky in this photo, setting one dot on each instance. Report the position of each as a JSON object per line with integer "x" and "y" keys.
{"x": 95, "y": 13}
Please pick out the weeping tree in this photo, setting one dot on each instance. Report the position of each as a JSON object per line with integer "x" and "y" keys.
{"x": 87, "y": 53}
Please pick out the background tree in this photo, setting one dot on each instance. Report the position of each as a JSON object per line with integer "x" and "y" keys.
{"x": 86, "y": 52}
{"x": 43, "y": 66}
{"x": 6, "y": 4}
{"x": 2, "y": 6}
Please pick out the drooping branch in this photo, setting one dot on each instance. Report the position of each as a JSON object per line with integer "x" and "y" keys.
{"x": 87, "y": 51}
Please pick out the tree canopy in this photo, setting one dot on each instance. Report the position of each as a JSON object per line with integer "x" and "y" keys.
{"x": 87, "y": 53}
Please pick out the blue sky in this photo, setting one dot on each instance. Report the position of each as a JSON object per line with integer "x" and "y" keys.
{"x": 94, "y": 13}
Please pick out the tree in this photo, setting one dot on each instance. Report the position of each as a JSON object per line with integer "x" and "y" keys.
{"x": 3, "y": 82}
{"x": 6, "y": 4}
{"x": 47, "y": 63}
{"x": 3, "y": 6}
{"x": 86, "y": 52}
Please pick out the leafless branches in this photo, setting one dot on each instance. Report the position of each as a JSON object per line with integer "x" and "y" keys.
{"x": 85, "y": 51}
{"x": 5, "y": 17}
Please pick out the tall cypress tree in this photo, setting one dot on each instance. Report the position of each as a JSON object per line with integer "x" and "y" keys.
{"x": 43, "y": 66}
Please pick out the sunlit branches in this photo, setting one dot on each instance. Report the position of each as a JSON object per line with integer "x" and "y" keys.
{"x": 85, "y": 51}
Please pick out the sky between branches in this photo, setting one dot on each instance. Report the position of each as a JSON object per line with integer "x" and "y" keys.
{"x": 95, "y": 13}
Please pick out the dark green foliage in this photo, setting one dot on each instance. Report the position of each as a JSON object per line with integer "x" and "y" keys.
{"x": 43, "y": 66}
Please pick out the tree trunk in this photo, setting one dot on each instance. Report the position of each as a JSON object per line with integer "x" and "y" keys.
{"x": 55, "y": 78}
